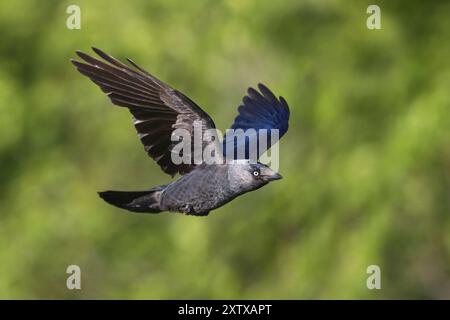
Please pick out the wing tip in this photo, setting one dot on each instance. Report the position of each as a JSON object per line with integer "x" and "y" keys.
{"x": 100, "y": 53}
{"x": 79, "y": 53}
{"x": 84, "y": 56}
{"x": 262, "y": 87}
{"x": 284, "y": 104}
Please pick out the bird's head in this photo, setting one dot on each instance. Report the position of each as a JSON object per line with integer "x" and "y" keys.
{"x": 250, "y": 176}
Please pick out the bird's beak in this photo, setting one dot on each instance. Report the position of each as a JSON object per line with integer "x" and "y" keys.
{"x": 275, "y": 176}
{"x": 270, "y": 175}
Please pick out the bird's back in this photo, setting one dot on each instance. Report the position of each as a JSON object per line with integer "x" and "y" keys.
{"x": 205, "y": 188}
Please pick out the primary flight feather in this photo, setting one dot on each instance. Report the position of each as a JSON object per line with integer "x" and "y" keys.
{"x": 158, "y": 110}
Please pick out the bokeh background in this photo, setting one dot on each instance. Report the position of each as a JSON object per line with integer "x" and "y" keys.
{"x": 366, "y": 160}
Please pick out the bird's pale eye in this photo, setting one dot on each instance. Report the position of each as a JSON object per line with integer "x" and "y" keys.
{"x": 256, "y": 173}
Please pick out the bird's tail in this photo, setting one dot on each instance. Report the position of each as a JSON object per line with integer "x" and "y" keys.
{"x": 136, "y": 201}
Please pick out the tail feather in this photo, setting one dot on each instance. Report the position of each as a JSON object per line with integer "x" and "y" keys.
{"x": 136, "y": 201}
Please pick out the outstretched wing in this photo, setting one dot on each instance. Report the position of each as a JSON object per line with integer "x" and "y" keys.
{"x": 259, "y": 116}
{"x": 157, "y": 109}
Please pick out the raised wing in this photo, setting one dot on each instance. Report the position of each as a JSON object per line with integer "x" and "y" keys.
{"x": 157, "y": 109}
{"x": 259, "y": 116}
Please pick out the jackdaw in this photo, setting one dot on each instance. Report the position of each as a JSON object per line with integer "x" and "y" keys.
{"x": 158, "y": 110}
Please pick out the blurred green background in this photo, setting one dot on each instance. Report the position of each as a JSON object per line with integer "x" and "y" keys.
{"x": 366, "y": 160}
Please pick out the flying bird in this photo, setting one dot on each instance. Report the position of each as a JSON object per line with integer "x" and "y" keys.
{"x": 158, "y": 110}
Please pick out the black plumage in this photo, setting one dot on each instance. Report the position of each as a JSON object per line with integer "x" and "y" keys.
{"x": 157, "y": 110}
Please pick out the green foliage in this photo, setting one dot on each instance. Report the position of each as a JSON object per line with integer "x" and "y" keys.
{"x": 366, "y": 160}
